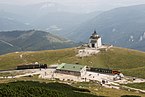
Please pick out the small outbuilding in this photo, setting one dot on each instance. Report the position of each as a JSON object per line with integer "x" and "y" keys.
{"x": 71, "y": 69}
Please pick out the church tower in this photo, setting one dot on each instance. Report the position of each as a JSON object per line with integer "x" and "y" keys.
{"x": 95, "y": 41}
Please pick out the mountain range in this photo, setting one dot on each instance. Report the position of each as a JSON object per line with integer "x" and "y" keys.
{"x": 46, "y": 16}
{"x": 31, "y": 40}
{"x": 123, "y": 27}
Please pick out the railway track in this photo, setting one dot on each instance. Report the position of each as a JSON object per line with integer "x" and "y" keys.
{"x": 7, "y": 70}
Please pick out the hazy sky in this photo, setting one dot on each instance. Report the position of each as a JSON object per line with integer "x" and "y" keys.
{"x": 77, "y": 1}
{"x": 100, "y": 4}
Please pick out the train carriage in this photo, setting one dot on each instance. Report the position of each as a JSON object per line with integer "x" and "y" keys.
{"x": 31, "y": 66}
{"x": 103, "y": 70}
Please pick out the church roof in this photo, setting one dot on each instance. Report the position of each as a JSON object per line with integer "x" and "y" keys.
{"x": 94, "y": 35}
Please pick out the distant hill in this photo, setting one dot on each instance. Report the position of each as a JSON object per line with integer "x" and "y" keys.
{"x": 123, "y": 27}
{"x": 129, "y": 62}
{"x": 10, "y": 24}
{"x": 31, "y": 40}
{"x": 60, "y": 23}
{"x": 47, "y": 16}
{"x": 12, "y": 21}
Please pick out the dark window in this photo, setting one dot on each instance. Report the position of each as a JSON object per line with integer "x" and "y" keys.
{"x": 93, "y": 45}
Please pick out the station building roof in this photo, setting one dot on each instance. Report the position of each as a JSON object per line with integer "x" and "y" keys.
{"x": 70, "y": 67}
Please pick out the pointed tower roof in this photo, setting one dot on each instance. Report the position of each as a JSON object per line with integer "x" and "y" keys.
{"x": 95, "y": 32}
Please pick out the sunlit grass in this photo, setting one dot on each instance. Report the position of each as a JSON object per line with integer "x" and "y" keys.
{"x": 130, "y": 62}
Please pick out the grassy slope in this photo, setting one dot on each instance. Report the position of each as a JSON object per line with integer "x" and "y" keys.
{"x": 137, "y": 85}
{"x": 130, "y": 62}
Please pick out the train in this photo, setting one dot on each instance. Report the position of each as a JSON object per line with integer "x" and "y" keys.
{"x": 102, "y": 70}
{"x": 31, "y": 66}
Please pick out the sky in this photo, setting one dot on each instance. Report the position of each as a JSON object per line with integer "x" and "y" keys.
{"x": 99, "y": 4}
{"x": 76, "y": 1}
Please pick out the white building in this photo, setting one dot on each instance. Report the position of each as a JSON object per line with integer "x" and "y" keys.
{"x": 93, "y": 47}
{"x": 71, "y": 69}
{"x": 95, "y": 41}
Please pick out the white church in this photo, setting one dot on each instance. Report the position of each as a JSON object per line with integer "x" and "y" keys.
{"x": 93, "y": 47}
{"x": 95, "y": 41}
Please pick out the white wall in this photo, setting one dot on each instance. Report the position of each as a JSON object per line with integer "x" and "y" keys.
{"x": 99, "y": 42}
